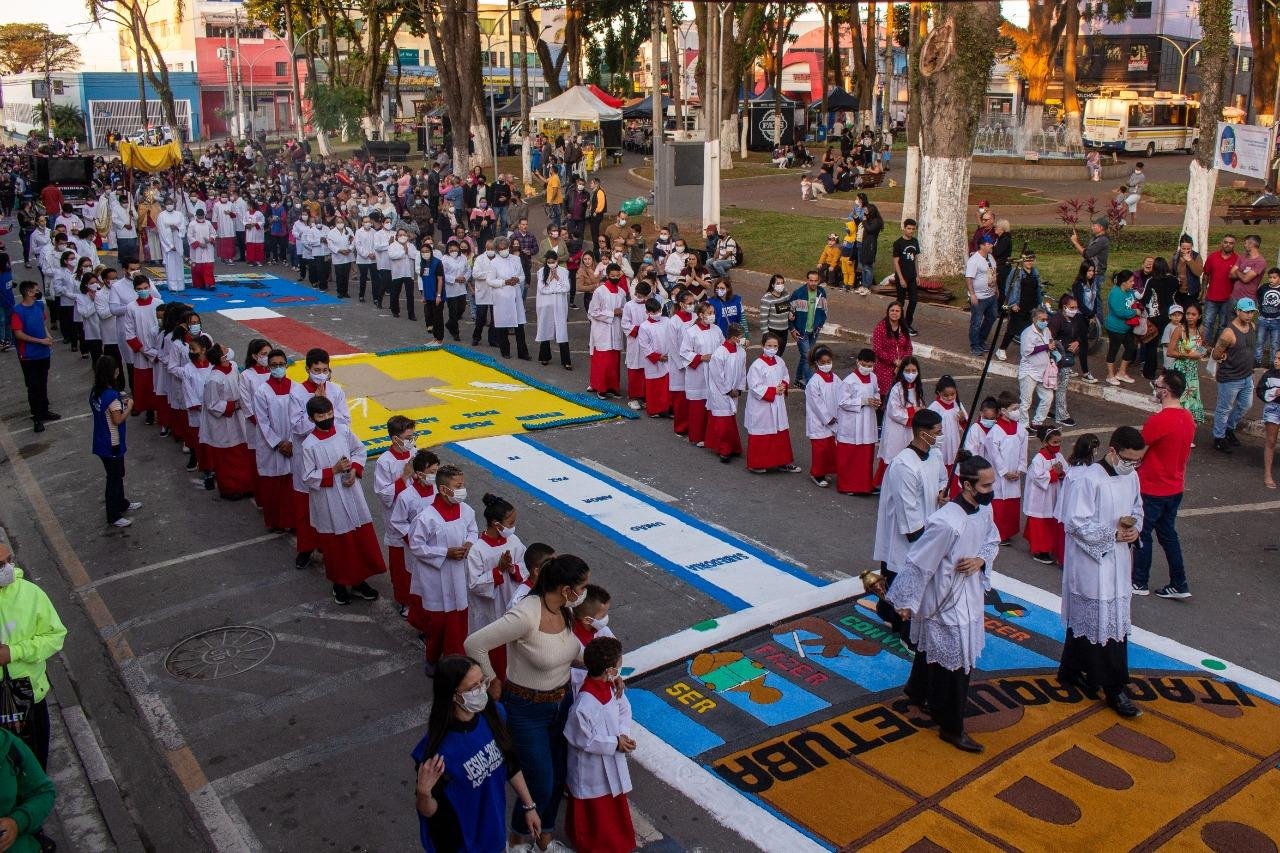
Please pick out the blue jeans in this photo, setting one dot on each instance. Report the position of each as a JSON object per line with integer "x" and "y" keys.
{"x": 981, "y": 317}
{"x": 553, "y": 214}
{"x": 721, "y": 267}
{"x": 6, "y": 335}
{"x": 537, "y": 731}
{"x": 1216, "y": 316}
{"x": 1160, "y": 516}
{"x": 1268, "y": 338}
{"x": 804, "y": 344}
{"x": 1234, "y": 399}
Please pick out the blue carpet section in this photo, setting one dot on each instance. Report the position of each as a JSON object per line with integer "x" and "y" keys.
{"x": 671, "y": 725}
{"x": 251, "y": 290}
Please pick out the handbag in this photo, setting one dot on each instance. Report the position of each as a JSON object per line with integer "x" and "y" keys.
{"x": 16, "y": 699}
{"x": 1051, "y": 377}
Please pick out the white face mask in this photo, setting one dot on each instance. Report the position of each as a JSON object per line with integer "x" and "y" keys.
{"x": 278, "y": 372}
{"x": 489, "y": 253}
{"x": 574, "y": 602}
{"x": 777, "y": 288}
{"x": 7, "y": 573}
{"x": 318, "y": 377}
{"x": 229, "y": 356}
{"x": 504, "y": 252}
{"x": 825, "y": 368}
{"x": 474, "y": 700}
{"x": 770, "y": 351}
{"x": 457, "y": 496}
{"x": 866, "y": 371}
{"x": 1070, "y": 312}
{"x": 1124, "y": 466}
{"x": 261, "y": 360}
{"x": 721, "y": 292}
{"x": 1013, "y": 415}
{"x": 506, "y": 532}
{"x": 597, "y": 621}
{"x": 655, "y": 315}
{"x": 910, "y": 375}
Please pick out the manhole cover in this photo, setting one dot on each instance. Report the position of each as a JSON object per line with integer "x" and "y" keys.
{"x": 220, "y": 652}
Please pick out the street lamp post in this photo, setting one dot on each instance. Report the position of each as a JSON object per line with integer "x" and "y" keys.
{"x": 293, "y": 73}
{"x": 253, "y": 103}
{"x": 1182, "y": 67}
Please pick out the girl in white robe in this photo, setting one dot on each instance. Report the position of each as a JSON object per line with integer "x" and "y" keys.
{"x": 552, "y": 304}
{"x": 397, "y": 522}
{"x": 822, "y": 415}
{"x": 683, "y": 317}
{"x": 698, "y": 342}
{"x": 768, "y": 433}
{"x": 195, "y": 373}
{"x": 598, "y": 816}
{"x": 726, "y": 382}
{"x": 495, "y": 566}
{"x": 633, "y": 316}
{"x": 201, "y": 238}
{"x": 272, "y": 415}
{"x": 651, "y": 344}
{"x": 319, "y": 377}
{"x": 954, "y": 418}
{"x": 91, "y": 329}
{"x": 605, "y": 312}
{"x": 174, "y": 355}
{"x": 1082, "y": 456}
{"x": 900, "y": 407}
{"x": 856, "y": 428}
{"x": 1044, "y": 533}
{"x": 256, "y": 371}
{"x": 255, "y": 237}
{"x": 333, "y": 461}
{"x": 223, "y": 428}
{"x": 1005, "y": 447}
{"x": 138, "y": 325}
{"x": 439, "y": 541}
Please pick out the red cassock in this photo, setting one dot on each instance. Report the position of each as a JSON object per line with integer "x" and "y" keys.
{"x": 606, "y": 371}
{"x": 236, "y": 469}
{"x": 769, "y": 451}
{"x": 697, "y": 419}
{"x": 1046, "y": 536}
{"x": 680, "y": 412}
{"x": 722, "y": 436}
{"x": 822, "y": 456}
{"x": 853, "y": 468}
{"x": 657, "y": 395}
{"x": 1008, "y": 516}
{"x": 351, "y": 558}
{"x": 636, "y": 384}
{"x": 253, "y": 252}
{"x": 275, "y": 496}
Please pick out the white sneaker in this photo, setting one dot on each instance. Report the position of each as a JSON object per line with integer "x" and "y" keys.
{"x": 1002, "y": 355}
{"x": 134, "y": 506}
{"x": 633, "y": 405}
{"x": 556, "y": 846}
{"x": 862, "y": 291}
{"x": 122, "y": 522}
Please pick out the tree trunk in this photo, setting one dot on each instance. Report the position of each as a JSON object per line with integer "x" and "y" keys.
{"x": 1036, "y": 46}
{"x": 735, "y": 62}
{"x": 454, "y": 34}
{"x": 952, "y": 98}
{"x": 1070, "y": 97}
{"x": 836, "y": 56}
{"x": 675, "y": 69}
{"x": 824, "y": 13}
{"x": 1215, "y": 21}
{"x": 861, "y": 66}
{"x": 1264, "y": 30}
{"x": 911, "y": 180}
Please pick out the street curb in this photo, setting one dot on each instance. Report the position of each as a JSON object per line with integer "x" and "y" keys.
{"x": 93, "y": 762}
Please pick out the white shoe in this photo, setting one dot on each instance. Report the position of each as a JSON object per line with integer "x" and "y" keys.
{"x": 862, "y": 291}
{"x": 1002, "y": 355}
{"x": 122, "y": 522}
{"x": 633, "y": 405}
{"x": 556, "y": 846}
{"x": 134, "y": 506}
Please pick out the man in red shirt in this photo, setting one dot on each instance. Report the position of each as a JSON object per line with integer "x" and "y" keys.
{"x": 1217, "y": 275}
{"x": 1168, "y": 433}
{"x": 51, "y": 198}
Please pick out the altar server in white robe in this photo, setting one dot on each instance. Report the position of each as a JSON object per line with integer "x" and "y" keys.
{"x": 1006, "y": 447}
{"x": 954, "y": 419}
{"x": 1103, "y": 518}
{"x": 856, "y": 428}
{"x": 273, "y": 448}
{"x": 393, "y": 474}
{"x": 1043, "y": 531}
{"x": 941, "y": 589}
{"x": 821, "y": 415}
{"x": 333, "y": 462}
{"x": 605, "y": 314}
{"x": 439, "y": 541}
{"x": 319, "y": 383}
{"x": 405, "y": 507}
{"x": 201, "y": 238}
{"x": 506, "y": 288}
{"x": 223, "y": 427}
{"x": 552, "y": 304}
{"x": 901, "y": 404}
{"x": 495, "y": 570}
{"x": 224, "y": 220}
{"x": 768, "y": 433}
{"x": 726, "y": 383}
{"x": 171, "y": 228}
{"x": 137, "y": 325}
{"x": 652, "y": 347}
{"x": 698, "y": 343}
{"x": 255, "y": 371}
{"x": 914, "y": 487}
{"x": 633, "y": 315}
{"x": 193, "y": 376}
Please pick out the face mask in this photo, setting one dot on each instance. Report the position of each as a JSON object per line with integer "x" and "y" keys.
{"x": 318, "y": 377}
{"x": 324, "y": 423}
{"x": 474, "y": 700}
{"x": 825, "y": 368}
{"x": 229, "y": 356}
{"x": 402, "y": 240}
{"x": 7, "y": 574}
{"x": 261, "y": 360}
{"x": 721, "y": 292}
{"x": 777, "y": 288}
{"x": 427, "y": 478}
{"x": 987, "y": 422}
{"x": 866, "y": 371}
{"x": 1124, "y": 466}
{"x": 597, "y": 621}
{"x": 910, "y": 375}
{"x": 1042, "y": 324}
{"x": 770, "y": 351}
{"x": 407, "y": 441}
{"x": 1071, "y": 312}
{"x": 94, "y": 288}
{"x": 506, "y": 532}
{"x": 504, "y": 253}
{"x": 984, "y": 498}
{"x": 459, "y": 495}
{"x": 1013, "y": 415}
{"x": 1157, "y": 394}
{"x": 277, "y": 372}
{"x": 143, "y": 293}
{"x": 655, "y": 315}
{"x": 194, "y": 328}
{"x": 168, "y": 207}
{"x": 574, "y": 602}
{"x": 552, "y": 264}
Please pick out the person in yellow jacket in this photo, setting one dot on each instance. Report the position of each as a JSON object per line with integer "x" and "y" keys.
{"x": 829, "y": 262}
{"x": 30, "y": 634}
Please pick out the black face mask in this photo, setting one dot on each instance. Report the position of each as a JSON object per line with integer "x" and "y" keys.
{"x": 324, "y": 423}
{"x": 984, "y": 498}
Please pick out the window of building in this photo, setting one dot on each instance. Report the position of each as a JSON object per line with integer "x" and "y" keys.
{"x": 493, "y": 59}
{"x": 282, "y": 68}
{"x": 1142, "y": 9}
{"x": 217, "y": 31}
{"x": 1246, "y": 64}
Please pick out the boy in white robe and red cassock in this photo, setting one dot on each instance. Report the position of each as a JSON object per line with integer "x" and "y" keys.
{"x": 651, "y": 343}
{"x": 941, "y": 589}
{"x": 138, "y": 328}
{"x": 255, "y": 373}
{"x": 633, "y": 316}
{"x": 195, "y": 373}
{"x": 726, "y": 383}
{"x": 222, "y": 428}
{"x": 439, "y": 541}
{"x": 1045, "y": 534}
{"x": 202, "y": 237}
{"x": 273, "y": 420}
{"x": 685, "y": 315}
{"x": 255, "y": 237}
{"x": 1103, "y": 520}
{"x": 494, "y": 571}
{"x": 392, "y": 474}
{"x": 224, "y": 220}
{"x": 333, "y": 463}
{"x": 317, "y": 384}
{"x": 405, "y": 507}
{"x": 856, "y": 427}
{"x": 914, "y": 487}
{"x": 768, "y": 433}
{"x": 821, "y": 415}
{"x": 605, "y": 313}
{"x": 591, "y": 616}
{"x": 698, "y": 343}
{"x": 599, "y": 734}
{"x": 1006, "y": 448}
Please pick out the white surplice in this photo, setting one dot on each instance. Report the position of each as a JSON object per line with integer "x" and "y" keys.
{"x": 490, "y": 591}
{"x": 766, "y": 416}
{"x": 595, "y": 767}
{"x": 697, "y": 345}
{"x": 335, "y": 508}
{"x": 1097, "y": 570}
{"x": 908, "y": 497}
{"x": 895, "y": 433}
{"x": 441, "y": 583}
{"x": 856, "y": 418}
{"x": 822, "y": 405}
{"x": 726, "y": 372}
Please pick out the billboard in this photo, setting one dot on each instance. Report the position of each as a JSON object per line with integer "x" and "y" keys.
{"x": 1244, "y": 149}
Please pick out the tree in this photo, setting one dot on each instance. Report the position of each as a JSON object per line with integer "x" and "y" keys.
{"x": 32, "y": 47}
{"x": 862, "y": 62}
{"x": 955, "y": 65}
{"x": 740, "y": 45}
{"x": 131, "y": 16}
{"x": 917, "y": 29}
{"x": 1264, "y": 32}
{"x": 1070, "y": 56}
{"x": 453, "y": 29}
{"x": 1215, "y": 49}
{"x": 1036, "y": 45}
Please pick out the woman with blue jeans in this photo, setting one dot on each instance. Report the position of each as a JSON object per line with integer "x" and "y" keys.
{"x": 541, "y": 647}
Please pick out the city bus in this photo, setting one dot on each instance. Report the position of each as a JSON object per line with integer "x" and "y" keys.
{"x": 1127, "y": 122}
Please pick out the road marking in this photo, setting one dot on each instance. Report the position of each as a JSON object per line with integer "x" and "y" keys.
{"x": 164, "y": 564}
{"x": 736, "y": 574}
{"x": 1217, "y": 510}
{"x": 333, "y": 645}
{"x": 64, "y": 419}
{"x": 642, "y": 488}
{"x": 249, "y": 313}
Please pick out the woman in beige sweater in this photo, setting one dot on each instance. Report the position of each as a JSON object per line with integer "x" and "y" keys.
{"x": 541, "y": 648}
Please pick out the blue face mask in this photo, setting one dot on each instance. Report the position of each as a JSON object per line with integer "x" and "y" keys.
{"x": 277, "y": 372}
{"x": 1042, "y": 324}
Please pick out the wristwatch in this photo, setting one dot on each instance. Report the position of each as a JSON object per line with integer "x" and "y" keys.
{"x": 530, "y": 807}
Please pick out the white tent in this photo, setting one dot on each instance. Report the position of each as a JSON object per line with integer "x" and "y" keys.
{"x": 575, "y": 104}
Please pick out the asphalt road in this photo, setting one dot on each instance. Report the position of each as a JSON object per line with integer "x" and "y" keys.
{"x": 310, "y": 749}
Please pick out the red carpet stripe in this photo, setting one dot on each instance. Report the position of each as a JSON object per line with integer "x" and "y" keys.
{"x": 299, "y": 337}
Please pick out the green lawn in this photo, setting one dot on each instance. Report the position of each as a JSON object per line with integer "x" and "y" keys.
{"x": 1170, "y": 192}
{"x": 756, "y": 165}
{"x": 995, "y": 194}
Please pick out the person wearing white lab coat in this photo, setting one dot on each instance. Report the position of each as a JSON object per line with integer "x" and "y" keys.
{"x": 768, "y": 433}
{"x": 223, "y": 426}
{"x": 606, "y": 339}
{"x": 652, "y": 345}
{"x": 941, "y": 589}
{"x": 316, "y": 236}
{"x": 366, "y": 258}
{"x": 822, "y": 415}
{"x": 1103, "y": 519}
{"x": 633, "y": 315}
{"x": 384, "y": 234}
{"x": 341, "y": 242}
{"x": 699, "y": 341}
{"x": 901, "y": 404}
{"x": 726, "y": 383}
{"x": 333, "y": 462}
{"x": 506, "y": 284}
{"x": 299, "y": 233}
{"x": 552, "y": 305}
{"x": 107, "y": 321}
{"x": 124, "y": 227}
{"x": 90, "y": 328}
{"x": 439, "y": 541}
{"x": 914, "y": 487}
{"x": 1043, "y": 531}
{"x": 202, "y": 238}
{"x": 856, "y": 428}
{"x": 171, "y": 228}
{"x": 481, "y": 273}
{"x": 240, "y": 223}
{"x": 1006, "y": 447}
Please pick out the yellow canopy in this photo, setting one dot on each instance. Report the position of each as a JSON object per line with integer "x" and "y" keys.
{"x": 150, "y": 158}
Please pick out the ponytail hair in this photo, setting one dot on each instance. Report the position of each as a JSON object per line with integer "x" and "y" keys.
{"x": 496, "y": 508}
{"x": 561, "y": 570}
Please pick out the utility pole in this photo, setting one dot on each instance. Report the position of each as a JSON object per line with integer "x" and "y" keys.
{"x": 887, "y": 59}
{"x": 655, "y": 93}
{"x": 229, "y": 102}
{"x": 239, "y": 86}
{"x": 711, "y": 143}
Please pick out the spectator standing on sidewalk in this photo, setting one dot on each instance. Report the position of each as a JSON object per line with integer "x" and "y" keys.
{"x": 1250, "y": 270}
{"x": 1268, "y": 318}
{"x": 1071, "y": 337}
{"x": 1097, "y": 251}
{"x": 1088, "y": 299}
{"x": 1217, "y": 293}
{"x": 1269, "y": 393}
{"x": 808, "y": 316}
{"x": 1168, "y": 434}
{"x": 775, "y": 310}
{"x": 1021, "y": 292}
{"x": 979, "y": 277}
{"x": 1188, "y": 268}
{"x": 1036, "y": 346}
{"x": 872, "y": 225}
{"x": 906, "y": 250}
{"x": 1002, "y": 254}
{"x": 1122, "y": 316}
{"x": 1234, "y": 355}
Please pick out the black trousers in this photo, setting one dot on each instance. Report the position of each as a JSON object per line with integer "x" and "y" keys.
{"x": 393, "y": 292}
{"x": 484, "y": 314}
{"x": 302, "y": 267}
{"x": 909, "y": 294}
{"x": 368, "y": 273}
{"x": 35, "y": 734}
{"x": 341, "y": 276}
{"x": 504, "y": 342}
{"x": 116, "y": 502}
{"x": 318, "y": 269}
{"x": 433, "y": 316}
{"x": 66, "y": 322}
{"x": 35, "y": 373}
{"x": 112, "y": 350}
{"x": 1102, "y": 665}
{"x": 1122, "y": 343}
{"x": 576, "y": 227}
{"x": 240, "y": 245}
{"x": 594, "y": 222}
{"x": 945, "y": 690}
{"x": 381, "y": 285}
{"x": 94, "y": 348}
{"x": 455, "y": 307}
{"x": 277, "y": 248}
{"x": 544, "y": 352}
{"x": 1018, "y": 322}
